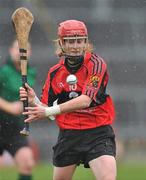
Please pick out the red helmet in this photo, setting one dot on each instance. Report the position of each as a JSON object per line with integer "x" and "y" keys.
{"x": 72, "y": 28}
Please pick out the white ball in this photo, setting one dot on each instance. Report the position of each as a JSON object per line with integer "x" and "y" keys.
{"x": 71, "y": 79}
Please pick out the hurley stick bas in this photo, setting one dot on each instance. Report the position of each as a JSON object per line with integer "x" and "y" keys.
{"x": 22, "y": 20}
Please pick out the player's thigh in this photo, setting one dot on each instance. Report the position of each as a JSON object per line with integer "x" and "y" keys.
{"x": 63, "y": 173}
{"x": 104, "y": 167}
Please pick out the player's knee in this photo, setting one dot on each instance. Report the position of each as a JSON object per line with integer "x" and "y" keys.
{"x": 24, "y": 160}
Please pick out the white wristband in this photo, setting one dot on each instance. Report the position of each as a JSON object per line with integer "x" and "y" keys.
{"x": 53, "y": 110}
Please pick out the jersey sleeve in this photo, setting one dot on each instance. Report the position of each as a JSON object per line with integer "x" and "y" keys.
{"x": 45, "y": 90}
{"x": 48, "y": 95}
{"x": 97, "y": 71}
{"x": 2, "y": 77}
{"x": 31, "y": 76}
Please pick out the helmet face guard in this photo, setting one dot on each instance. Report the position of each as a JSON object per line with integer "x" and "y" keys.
{"x": 74, "y": 46}
{"x": 73, "y": 37}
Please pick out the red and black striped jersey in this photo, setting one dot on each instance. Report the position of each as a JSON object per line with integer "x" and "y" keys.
{"x": 92, "y": 79}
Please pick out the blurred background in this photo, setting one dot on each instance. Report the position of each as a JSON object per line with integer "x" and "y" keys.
{"x": 117, "y": 28}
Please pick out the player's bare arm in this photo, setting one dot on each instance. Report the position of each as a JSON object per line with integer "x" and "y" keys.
{"x": 39, "y": 112}
{"x": 81, "y": 102}
{"x": 14, "y": 108}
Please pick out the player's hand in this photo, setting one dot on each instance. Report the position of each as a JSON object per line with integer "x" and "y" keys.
{"x": 35, "y": 113}
{"x": 27, "y": 93}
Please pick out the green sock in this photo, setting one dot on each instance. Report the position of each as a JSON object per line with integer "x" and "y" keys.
{"x": 25, "y": 177}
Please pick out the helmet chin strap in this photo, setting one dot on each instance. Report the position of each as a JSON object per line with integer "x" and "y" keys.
{"x": 74, "y": 60}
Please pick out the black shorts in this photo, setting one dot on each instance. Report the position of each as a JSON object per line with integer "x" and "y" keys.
{"x": 82, "y": 146}
{"x": 12, "y": 144}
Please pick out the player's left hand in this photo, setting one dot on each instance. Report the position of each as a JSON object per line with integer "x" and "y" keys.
{"x": 34, "y": 113}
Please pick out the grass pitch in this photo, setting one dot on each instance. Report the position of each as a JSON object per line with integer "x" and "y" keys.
{"x": 126, "y": 171}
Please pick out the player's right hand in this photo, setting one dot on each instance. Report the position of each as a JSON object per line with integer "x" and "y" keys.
{"x": 27, "y": 92}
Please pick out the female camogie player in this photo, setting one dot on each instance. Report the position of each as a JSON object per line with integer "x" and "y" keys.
{"x": 84, "y": 111}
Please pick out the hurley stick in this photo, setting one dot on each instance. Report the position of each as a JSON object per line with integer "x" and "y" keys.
{"x": 23, "y": 19}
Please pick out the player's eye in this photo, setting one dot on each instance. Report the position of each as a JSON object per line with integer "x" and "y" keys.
{"x": 79, "y": 41}
{"x": 71, "y": 41}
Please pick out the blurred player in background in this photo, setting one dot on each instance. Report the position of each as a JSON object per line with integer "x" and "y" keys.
{"x": 84, "y": 111}
{"x": 10, "y": 113}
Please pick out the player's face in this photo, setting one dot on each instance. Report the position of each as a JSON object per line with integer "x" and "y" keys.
{"x": 74, "y": 46}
